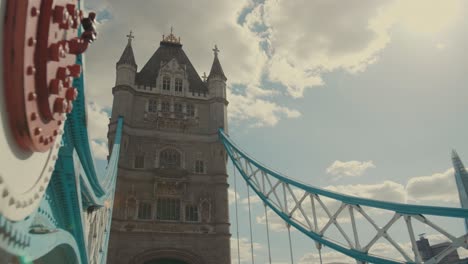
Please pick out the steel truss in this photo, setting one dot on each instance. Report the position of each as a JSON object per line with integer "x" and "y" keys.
{"x": 314, "y": 211}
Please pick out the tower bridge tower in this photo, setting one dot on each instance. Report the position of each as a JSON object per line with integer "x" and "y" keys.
{"x": 171, "y": 200}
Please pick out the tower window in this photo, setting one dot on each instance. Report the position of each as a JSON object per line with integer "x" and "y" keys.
{"x": 168, "y": 209}
{"x": 191, "y": 213}
{"x": 178, "y": 85}
{"x": 152, "y": 106}
{"x": 166, "y": 83}
{"x": 139, "y": 162}
{"x": 199, "y": 166}
{"x": 165, "y": 107}
{"x": 169, "y": 158}
{"x": 144, "y": 210}
{"x": 190, "y": 110}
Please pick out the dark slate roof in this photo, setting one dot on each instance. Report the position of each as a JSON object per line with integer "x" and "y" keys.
{"x": 127, "y": 56}
{"x": 165, "y": 53}
{"x": 216, "y": 69}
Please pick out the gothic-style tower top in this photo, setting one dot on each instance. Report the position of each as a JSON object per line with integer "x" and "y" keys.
{"x": 127, "y": 55}
{"x": 169, "y": 49}
{"x": 216, "y": 69}
{"x": 171, "y": 39}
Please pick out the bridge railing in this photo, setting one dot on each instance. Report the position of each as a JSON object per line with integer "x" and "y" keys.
{"x": 333, "y": 219}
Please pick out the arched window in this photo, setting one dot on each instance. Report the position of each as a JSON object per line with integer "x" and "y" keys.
{"x": 169, "y": 158}
{"x": 166, "y": 85}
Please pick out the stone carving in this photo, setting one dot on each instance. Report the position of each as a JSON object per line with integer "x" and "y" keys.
{"x": 169, "y": 188}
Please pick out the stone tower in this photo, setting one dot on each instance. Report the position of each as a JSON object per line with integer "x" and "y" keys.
{"x": 171, "y": 199}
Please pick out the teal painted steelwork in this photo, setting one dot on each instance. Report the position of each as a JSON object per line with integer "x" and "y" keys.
{"x": 230, "y": 147}
{"x": 397, "y": 207}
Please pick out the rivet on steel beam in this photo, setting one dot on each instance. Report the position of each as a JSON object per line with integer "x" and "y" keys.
{"x": 33, "y": 116}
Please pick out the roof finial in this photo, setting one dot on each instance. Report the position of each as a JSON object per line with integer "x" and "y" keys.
{"x": 130, "y": 37}
{"x": 204, "y": 76}
{"x": 216, "y": 50}
{"x": 171, "y": 38}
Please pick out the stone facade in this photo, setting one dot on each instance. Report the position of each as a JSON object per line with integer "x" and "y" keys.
{"x": 171, "y": 200}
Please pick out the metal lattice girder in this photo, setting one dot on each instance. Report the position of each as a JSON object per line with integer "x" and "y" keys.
{"x": 316, "y": 212}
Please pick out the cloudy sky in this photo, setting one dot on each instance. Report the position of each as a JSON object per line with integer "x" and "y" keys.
{"x": 366, "y": 97}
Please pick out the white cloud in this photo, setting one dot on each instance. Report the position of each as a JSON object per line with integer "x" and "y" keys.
{"x": 232, "y": 196}
{"x": 241, "y": 56}
{"x": 436, "y": 187}
{"x": 97, "y": 121}
{"x": 427, "y": 17}
{"x": 386, "y": 191}
{"x": 244, "y": 248}
{"x": 259, "y": 112}
{"x": 320, "y": 38}
{"x": 254, "y": 199}
{"x": 349, "y": 168}
{"x": 327, "y": 257}
{"x": 100, "y": 150}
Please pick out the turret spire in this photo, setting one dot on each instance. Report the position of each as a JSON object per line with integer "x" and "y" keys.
{"x": 461, "y": 179}
{"x": 127, "y": 55}
{"x": 216, "y": 50}
{"x": 216, "y": 69}
{"x": 130, "y": 37}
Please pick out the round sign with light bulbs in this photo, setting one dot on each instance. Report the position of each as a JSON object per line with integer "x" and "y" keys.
{"x": 40, "y": 42}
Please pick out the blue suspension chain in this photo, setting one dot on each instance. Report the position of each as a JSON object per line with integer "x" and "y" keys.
{"x": 237, "y": 215}
{"x": 268, "y": 233}
{"x": 250, "y": 225}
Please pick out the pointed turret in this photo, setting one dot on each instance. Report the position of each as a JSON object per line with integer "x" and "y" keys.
{"x": 461, "y": 178}
{"x": 126, "y": 66}
{"x": 127, "y": 55}
{"x": 217, "y": 90}
{"x": 216, "y": 79}
{"x": 216, "y": 69}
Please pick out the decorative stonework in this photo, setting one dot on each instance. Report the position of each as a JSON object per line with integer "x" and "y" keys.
{"x": 180, "y": 111}
{"x": 171, "y": 38}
